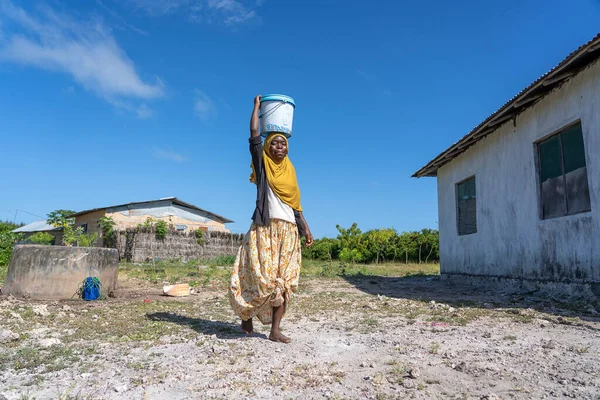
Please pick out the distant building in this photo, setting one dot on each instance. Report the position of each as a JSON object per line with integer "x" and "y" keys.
{"x": 519, "y": 196}
{"x": 181, "y": 215}
{"x": 41, "y": 226}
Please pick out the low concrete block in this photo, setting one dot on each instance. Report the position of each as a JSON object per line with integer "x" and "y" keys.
{"x": 56, "y": 272}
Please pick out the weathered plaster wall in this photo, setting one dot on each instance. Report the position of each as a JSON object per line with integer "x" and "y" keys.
{"x": 56, "y": 272}
{"x": 512, "y": 240}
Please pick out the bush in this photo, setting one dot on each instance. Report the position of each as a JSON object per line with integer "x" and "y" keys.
{"x": 7, "y": 241}
{"x": 43, "y": 238}
{"x": 161, "y": 229}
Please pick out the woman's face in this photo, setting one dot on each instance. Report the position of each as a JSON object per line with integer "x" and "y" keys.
{"x": 278, "y": 148}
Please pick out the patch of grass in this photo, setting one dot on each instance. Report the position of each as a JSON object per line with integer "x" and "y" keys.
{"x": 580, "y": 350}
{"x": 396, "y": 374}
{"x": 510, "y": 337}
{"x": 434, "y": 348}
{"x": 314, "y": 268}
{"x": 35, "y": 380}
{"x": 3, "y": 272}
{"x": 54, "y": 358}
{"x": 174, "y": 271}
{"x": 370, "y": 321}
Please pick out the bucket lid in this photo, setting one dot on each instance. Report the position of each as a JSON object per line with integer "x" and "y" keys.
{"x": 278, "y": 97}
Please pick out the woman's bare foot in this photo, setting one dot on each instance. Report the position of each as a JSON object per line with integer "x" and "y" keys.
{"x": 279, "y": 337}
{"x": 247, "y": 326}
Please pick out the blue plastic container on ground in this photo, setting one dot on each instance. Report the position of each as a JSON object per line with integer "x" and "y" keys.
{"x": 91, "y": 289}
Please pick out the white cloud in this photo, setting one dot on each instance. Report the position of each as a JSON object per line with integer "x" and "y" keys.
{"x": 204, "y": 107}
{"x": 231, "y": 13}
{"x": 121, "y": 23}
{"x": 85, "y": 50}
{"x": 163, "y": 154}
{"x": 160, "y": 7}
{"x": 144, "y": 112}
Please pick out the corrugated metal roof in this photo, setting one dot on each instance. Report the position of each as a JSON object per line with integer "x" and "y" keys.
{"x": 173, "y": 200}
{"x": 569, "y": 67}
{"x": 37, "y": 226}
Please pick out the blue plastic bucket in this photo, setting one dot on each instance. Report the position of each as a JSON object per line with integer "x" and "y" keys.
{"x": 276, "y": 114}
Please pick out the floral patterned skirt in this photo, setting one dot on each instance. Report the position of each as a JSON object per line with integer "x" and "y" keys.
{"x": 266, "y": 270}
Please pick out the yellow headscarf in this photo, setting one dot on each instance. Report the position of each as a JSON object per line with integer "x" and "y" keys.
{"x": 281, "y": 176}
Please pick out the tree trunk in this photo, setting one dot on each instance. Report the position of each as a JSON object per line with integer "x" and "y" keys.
{"x": 429, "y": 255}
{"x": 420, "y": 246}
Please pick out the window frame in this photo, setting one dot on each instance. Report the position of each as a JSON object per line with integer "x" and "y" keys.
{"x": 456, "y": 200}
{"x": 538, "y": 164}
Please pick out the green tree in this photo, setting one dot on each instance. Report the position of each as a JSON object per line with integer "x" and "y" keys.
{"x": 107, "y": 227}
{"x": 352, "y": 243}
{"x": 61, "y": 218}
{"x": 379, "y": 241}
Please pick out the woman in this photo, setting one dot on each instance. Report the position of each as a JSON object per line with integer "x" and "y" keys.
{"x": 267, "y": 266}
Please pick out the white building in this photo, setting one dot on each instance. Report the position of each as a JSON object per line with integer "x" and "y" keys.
{"x": 519, "y": 196}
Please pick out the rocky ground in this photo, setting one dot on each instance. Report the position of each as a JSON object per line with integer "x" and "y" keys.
{"x": 361, "y": 337}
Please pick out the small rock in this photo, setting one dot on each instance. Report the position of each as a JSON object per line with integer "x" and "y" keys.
{"x": 414, "y": 373}
{"x": 408, "y": 384}
{"x": 49, "y": 342}
{"x": 66, "y": 308}
{"x": 8, "y": 336}
{"x": 120, "y": 388}
{"x": 487, "y": 335}
{"x": 41, "y": 310}
{"x": 372, "y": 365}
{"x": 550, "y": 344}
{"x": 84, "y": 311}
{"x": 490, "y": 396}
{"x": 16, "y": 316}
{"x": 451, "y": 309}
{"x": 461, "y": 367}
{"x": 85, "y": 375}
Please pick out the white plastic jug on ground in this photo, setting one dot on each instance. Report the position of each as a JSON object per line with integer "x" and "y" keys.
{"x": 276, "y": 114}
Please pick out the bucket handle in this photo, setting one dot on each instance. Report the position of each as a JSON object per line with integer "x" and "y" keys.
{"x": 272, "y": 110}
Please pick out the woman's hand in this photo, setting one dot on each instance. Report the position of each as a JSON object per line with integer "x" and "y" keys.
{"x": 309, "y": 239}
{"x": 254, "y": 117}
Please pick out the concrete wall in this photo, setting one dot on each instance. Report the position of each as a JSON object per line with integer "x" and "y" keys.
{"x": 56, "y": 272}
{"x": 512, "y": 240}
{"x": 140, "y": 245}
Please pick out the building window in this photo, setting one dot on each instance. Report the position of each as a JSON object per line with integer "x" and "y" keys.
{"x": 84, "y": 228}
{"x": 563, "y": 174}
{"x": 466, "y": 207}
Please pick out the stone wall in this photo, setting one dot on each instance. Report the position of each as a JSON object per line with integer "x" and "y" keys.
{"x": 139, "y": 245}
{"x": 56, "y": 272}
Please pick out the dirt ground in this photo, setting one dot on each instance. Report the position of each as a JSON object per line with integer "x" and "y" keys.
{"x": 356, "y": 338}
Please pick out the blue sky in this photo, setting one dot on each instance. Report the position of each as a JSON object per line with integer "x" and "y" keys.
{"x": 107, "y": 102}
